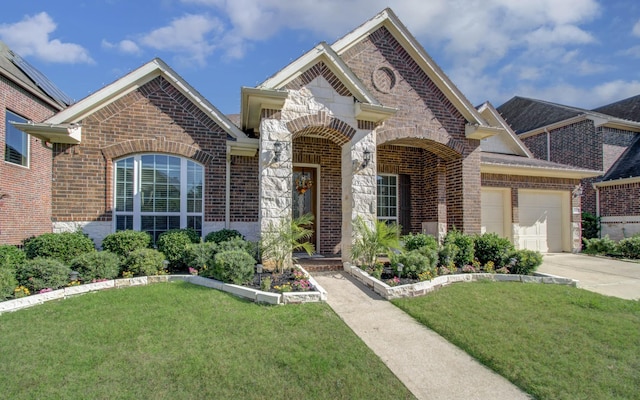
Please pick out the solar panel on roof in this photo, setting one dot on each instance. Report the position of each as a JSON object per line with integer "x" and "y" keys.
{"x": 42, "y": 81}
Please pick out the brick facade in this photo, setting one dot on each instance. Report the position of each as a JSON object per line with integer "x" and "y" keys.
{"x": 620, "y": 200}
{"x": 154, "y": 118}
{"x": 26, "y": 209}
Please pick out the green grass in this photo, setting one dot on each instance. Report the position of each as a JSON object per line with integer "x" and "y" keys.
{"x": 554, "y": 342}
{"x": 181, "y": 341}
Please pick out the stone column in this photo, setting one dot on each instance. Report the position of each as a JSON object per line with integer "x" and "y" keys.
{"x": 359, "y": 188}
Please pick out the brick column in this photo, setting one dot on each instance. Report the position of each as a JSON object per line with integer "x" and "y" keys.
{"x": 463, "y": 191}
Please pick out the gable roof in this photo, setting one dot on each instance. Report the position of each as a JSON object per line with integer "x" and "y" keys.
{"x": 507, "y": 136}
{"x": 530, "y": 117}
{"x": 477, "y": 127}
{"x": 627, "y": 166}
{"x": 53, "y": 129}
{"x": 10, "y": 63}
{"x": 628, "y": 108}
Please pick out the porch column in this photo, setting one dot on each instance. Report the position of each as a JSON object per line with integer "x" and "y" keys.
{"x": 463, "y": 190}
{"x": 359, "y": 188}
{"x": 275, "y": 175}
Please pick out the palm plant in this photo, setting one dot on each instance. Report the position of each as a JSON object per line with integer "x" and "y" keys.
{"x": 279, "y": 241}
{"x": 370, "y": 242}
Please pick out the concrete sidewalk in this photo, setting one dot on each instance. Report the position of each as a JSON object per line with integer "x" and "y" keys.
{"x": 426, "y": 363}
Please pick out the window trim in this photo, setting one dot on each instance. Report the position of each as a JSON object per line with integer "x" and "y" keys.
{"x": 137, "y": 214}
{"x": 26, "y": 137}
{"x": 397, "y": 207}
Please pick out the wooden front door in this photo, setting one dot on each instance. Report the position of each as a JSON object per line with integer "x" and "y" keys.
{"x": 304, "y": 196}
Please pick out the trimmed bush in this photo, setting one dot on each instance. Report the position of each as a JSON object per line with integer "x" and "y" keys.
{"x": 233, "y": 266}
{"x": 603, "y": 246}
{"x": 8, "y": 282}
{"x": 64, "y": 247}
{"x": 174, "y": 243}
{"x": 630, "y": 247}
{"x": 42, "y": 273}
{"x": 96, "y": 265}
{"x": 200, "y": 256}
{"x": 237, "y": 243}
{"x": 524, "y": 262}
{"x": 590, "y": 225}
{"x": 414, "y": 262}
{"x": 223, "y": 235}
{"x": 124, "y": 242}
{"x": 491, "y": 247}
{"x": 418, "y": 241}
{"x": 465, "y": 254}
{"x": 11, "y": 256}
{"x": 447, "y": 255}
{"x": 144, "y": 262}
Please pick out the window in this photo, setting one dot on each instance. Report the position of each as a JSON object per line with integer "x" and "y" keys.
{"x": 16, "y": 147}
{"x": 156, "y": 192}
{"x": 388, "y": 198}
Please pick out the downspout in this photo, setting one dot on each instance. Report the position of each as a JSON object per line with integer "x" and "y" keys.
{"x": 597, "y": 189}
{"x": 227, "y": 191}
{"x": 548, "y": 144}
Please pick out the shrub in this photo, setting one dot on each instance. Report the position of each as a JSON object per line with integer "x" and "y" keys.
{"x": 414, "y": 262}
{"x": 223, "y": 235}
{"x": 42, "y": 273}
{"x": 599, "y": 246}
{"x": 233, "y": 266}
{"x": 630, "y": 247}
{"x": 590, "y": 225}
{"x": 371, "y": 241}
{"x": 174, "y": 243}
{"x": 200, "y": 256}
{"x": 447, "y": 255}
{"x": 418, "y": 241}
{"x": 491, "y": 247}
{"x": 124, "y": 242}
{"x": 237, "y": 243}
{"x": 144, "y": 262}
{"x": 465, "y": 245}
{"x": 96, "y": 265}
{"x": 524, "y": 262}
{"x": 11, "y": 256}
{"x": 63, "y": 247}
{"x": 8, "y": 282}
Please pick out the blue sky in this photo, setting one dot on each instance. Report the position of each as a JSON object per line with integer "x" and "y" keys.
{"x": 584, "y": 53}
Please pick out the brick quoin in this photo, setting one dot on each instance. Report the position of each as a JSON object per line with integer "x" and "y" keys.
{"x": 26, "y": 209}
{"x": 155, "y": 118}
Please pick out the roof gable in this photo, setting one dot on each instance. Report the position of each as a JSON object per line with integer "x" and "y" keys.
{"x": 507, "y": 139}
{"x": 626, "y": 109}
{"x": 524, "y": 114}
{"x": 628, "y": 165}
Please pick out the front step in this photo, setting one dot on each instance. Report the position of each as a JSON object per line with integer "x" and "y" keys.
{"x": 320, "y": 264}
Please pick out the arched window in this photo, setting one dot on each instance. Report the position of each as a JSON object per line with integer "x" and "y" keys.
{"x": 157, "y": 192}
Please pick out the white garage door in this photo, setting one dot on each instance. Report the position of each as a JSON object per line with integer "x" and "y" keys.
{"x": 493, "y": 212}
{"x": 541, "y": 221}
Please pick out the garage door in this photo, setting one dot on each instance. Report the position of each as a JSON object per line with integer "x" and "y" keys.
{"x": 541, "y": 221}
{"x": 493, "y": 212}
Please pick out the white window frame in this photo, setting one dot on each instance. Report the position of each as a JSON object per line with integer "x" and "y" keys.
{"x": 25, "y": 136}
{"x": 386, "y": 218}
{"x": 137, "y": 214}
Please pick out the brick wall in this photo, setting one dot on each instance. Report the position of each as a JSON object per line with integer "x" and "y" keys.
{"x": 245, "y": 193}
{"x": 537, "y": 145}
{"x": 620, "y": 200}
{"x": 154, "y": 118}
{"x": 615, "y": 142}
{"x": 26, "y": 211}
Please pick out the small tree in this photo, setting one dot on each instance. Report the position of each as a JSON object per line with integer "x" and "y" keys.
{"x": 369, "y": 242}
{"x": 279, "y": 241}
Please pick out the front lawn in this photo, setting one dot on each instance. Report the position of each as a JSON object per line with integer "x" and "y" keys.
{"x": 555, "y": 342}
{"x": 181, "y": 341}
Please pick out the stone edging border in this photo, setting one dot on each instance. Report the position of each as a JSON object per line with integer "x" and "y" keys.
{"x": 422, "y": 288}
{"x": 258, "y": 296}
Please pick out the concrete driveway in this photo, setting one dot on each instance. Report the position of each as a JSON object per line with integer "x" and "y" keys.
{"x": 597, "y": 274}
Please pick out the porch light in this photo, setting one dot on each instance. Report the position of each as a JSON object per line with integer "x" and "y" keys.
{"x": 577, "y": 191}
{"x": 277, "y": 151}
{"x": 366, "y": 158}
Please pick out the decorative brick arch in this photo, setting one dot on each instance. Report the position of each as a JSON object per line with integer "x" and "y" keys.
{"x": 157, "y": 145}
{"x": 438, "y": 143}
{"x": 324, "y": 125}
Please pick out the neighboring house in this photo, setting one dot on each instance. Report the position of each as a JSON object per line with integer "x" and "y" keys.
{"x": 369, "y": 126}
{"x": 25, "y": 171}
{"x": 592, "y": 139}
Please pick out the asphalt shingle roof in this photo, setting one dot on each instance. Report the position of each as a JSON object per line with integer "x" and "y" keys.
{"x": 626, "y": 109}
{"x": 628, "y": 165}
{"x": 524, "y": 114}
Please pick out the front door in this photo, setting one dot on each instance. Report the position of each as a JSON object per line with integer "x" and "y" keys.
{"x": 304, "y": 196}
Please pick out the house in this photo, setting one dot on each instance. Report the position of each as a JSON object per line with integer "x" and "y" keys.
{"x": 367, "y": 126}
{"x": 25, "y": 172}
{"x": 601, "y": 139}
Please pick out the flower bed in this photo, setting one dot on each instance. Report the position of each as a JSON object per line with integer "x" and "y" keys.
{"x": 317, "y": 294}
{"x": 421, "y": 288}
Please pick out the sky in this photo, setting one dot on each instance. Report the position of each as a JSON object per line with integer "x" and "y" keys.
{"x": 583, "y": 53}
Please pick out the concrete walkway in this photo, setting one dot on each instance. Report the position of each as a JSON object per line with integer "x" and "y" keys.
{"x": 597, "y": 274}
{"x": 426, "y": 363}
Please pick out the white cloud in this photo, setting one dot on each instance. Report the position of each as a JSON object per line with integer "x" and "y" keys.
{"x": 589, "y": 97}
{"x": 636, "y": 29}
{"x": 124, "y": 46}
{"x": 633, "y": 51}
{"x": 31, "y": 37}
